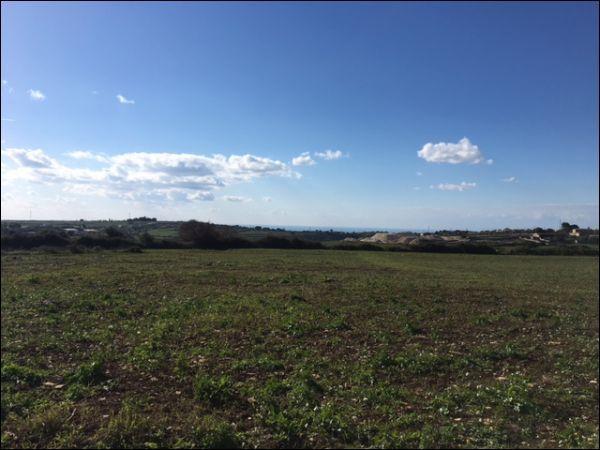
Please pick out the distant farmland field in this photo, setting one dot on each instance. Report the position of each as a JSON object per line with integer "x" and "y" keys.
{"x": 298, "y": 348}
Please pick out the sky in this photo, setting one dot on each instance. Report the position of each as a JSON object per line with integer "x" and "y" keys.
{"x": 367, "y": 115}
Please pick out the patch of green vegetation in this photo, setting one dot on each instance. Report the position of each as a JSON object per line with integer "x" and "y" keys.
{"x": 88, "y": 373}
{"x": 212, "y": 433}
{"x": 287, "y": 348}
{"x": 13, "y": 373}
{"x": 217, "y": 391}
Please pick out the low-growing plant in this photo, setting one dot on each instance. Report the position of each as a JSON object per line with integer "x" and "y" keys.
{"x": 216, "y": 391}
{"x": 88, "y": 373}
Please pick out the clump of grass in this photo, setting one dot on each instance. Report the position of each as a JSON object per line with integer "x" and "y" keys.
{"x": 421, "y": 363}
{"x": 32, "y": 279}
{"x": 128, "y": 428}
{"x": 520, "y": 313}
{"x": 509, "y": 350}
{"x": 578, "y": 434}
{"x": 13, "y": 373}
{"x": 41, "y": 426}
{"x": 88, "y": 373}
{"x": 305, "y": 390}
{"x": 215, "y": 391}
{"x": 213, "y": 433}
{"x": 413, "y": 363}
{"x": 182, "y": 365}
{"x": 297, "y": 298}
{"x": 413, "y": 329}
{"x": 339, "y": 324}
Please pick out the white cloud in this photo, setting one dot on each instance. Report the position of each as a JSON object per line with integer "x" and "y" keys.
{"x": 84, "y": 154}
{"x": 124, "y": 100}
{"x": 237, "y": 199}
{"x": 4, "y": 119}
{"x": 148, "y": 176}
{"x": 454, "y": 187}
{"x": 329, "y": 154}
{"x": 4, "y": 82}
{"x": 95, "y": 92}
{"x": 416, "y": 188}
{"x": 36, "y": 95}
{"x": 303, "y": 160}
{"x": 419, "y": 174}
{"x": 267, "y": 199}
{"x": 202, "y": 196}
{"x": 462, "y": 152}
{"x": 510, "y": 180}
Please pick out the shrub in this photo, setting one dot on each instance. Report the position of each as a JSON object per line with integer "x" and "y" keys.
{"x": 113, "y": 232}
{"x": 201, "y": 234}
{"x": 146, "y": 239}
{"x": 28, "y": 241}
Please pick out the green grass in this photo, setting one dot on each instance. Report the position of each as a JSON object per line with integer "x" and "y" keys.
{"x": 270, "y": 348}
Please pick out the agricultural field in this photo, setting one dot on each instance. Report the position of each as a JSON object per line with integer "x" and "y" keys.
{"x": 298, "y": 348}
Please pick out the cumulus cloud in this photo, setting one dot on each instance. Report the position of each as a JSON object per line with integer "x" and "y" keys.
{"x": 329, "y": 155}
{"x": 124, "y": 100}
{"x": 36, "y": 95}
{"x": 303, "y": 160}
{"x": 30, "y": 158}
{"x": 463, "y": 186}
{"x": 446, "y": 152}
{"x": 172, "y": 176}
{"x": 267, "y": 199}
{"x": 236, "y": 198}
{"x": 84, "y": 154}
{"x": 510, "y": 180}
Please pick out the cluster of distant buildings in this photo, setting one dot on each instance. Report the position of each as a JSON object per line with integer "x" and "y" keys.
{"x": 402, "y": 238}
{"x": 79, "y": 231}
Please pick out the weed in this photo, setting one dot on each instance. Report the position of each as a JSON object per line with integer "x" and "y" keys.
{"x": 215, "y": 391}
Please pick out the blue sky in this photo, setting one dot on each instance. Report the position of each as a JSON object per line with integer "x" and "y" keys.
{"x": 218, "y": 101}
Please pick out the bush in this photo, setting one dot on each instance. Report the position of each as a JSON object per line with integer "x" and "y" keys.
{"x": 28, "y": 241}
{"x": 146, "y": 239}
{"x": 201, "y": 234}
{"x": 113, "y": 232}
